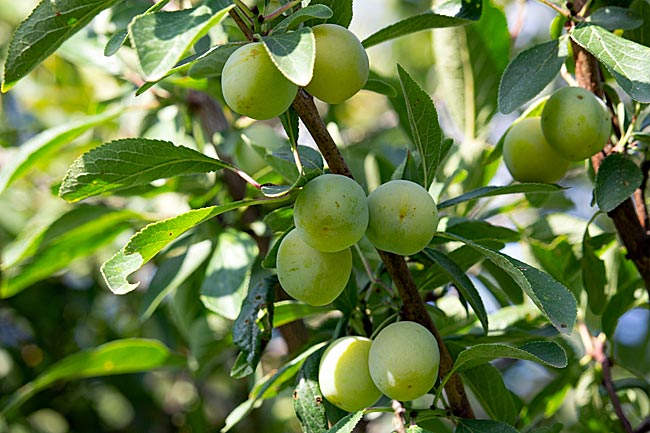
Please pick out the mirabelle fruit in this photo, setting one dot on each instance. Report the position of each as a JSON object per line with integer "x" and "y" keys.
{"x": 331, "y": 213}
{"x": 576, "y": 123}
{"x": 309, "y": 275}
{"x": 402, "y": 217}
{"x": 253, "y": 86}
{"x": 404, "y": 360}
{"x": 529, "y": 157}
{"x": 344, "y": 377}
{"x": 341, "y": 68}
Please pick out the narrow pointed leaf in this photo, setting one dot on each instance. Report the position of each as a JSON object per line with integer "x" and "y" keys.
{"x": 553, "y": 299}
{"x": 347, "y": 423}
{"x": 150, "y": 240}
{"x": 529, "y": 73}
{"x": 130, "y": 355}
{"x": 131, "y": 162}
{"x": 308, "y": 401}
{"x": 423, "y": 119}
{"x": 626, "y": 60}
{"x": 490, "y": 191}
{"x": 594, "y": 276}
{"x": 313, "y": 11}
{"x": 462, "y": 283}
{"x": 49, "y": 25}
{"x": 161, "y": 39}
{"x": 293, "y": 54}
{"x": 41, "y": 147}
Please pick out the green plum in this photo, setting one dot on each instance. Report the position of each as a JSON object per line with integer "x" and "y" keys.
{"x": 576, "y": 123}
{"x": 344, "y": 376}
{"x": 529, "y": 157}
{"x": 252, "y": 85}
{"x": 341, "y": 68}
{"x": 331, "y": 213}
{"x": 403, "y": 217}
{"x": 404, "y": 360}
{"x": 309, "y": 275}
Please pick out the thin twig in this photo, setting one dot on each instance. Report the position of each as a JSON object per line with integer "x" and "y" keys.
{"x": 246, "y": 30}
{"x": 556, "y": 8}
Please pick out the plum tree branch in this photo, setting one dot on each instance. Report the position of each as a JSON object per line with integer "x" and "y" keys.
{"x": 413, "y": 308}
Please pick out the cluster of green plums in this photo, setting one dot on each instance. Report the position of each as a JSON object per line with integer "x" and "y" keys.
{"x": 253, "y": 86}
{"x": 574, "y": 125}
{"x": 331, "y": 214}
{"x": 355, "y": 371}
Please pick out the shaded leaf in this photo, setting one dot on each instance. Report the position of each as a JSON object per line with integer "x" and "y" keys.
{"x": 210, "y": 64}
{"x": 487, "y": 385}
{"x": 228, "y": 273}
{"x": 161, "y": 39}
{"x": 617, "y": 179}
{"x": 425, "y": 130}
{"x": 341, "y": 11}
{"x": 130, "y": 355}
{"x": 640, "y": 34}
{"x": 47, "y": 27}
{"x": 613, "y": 17}
{"x": 626, "y": 60}
{"x": 308, "y": 400}
{"x": 41, "y": 147}
{"x": 483, "y": 426}
{"x": 490, "y": 191}
{"x": 131, "y": 162}
{"x": 462, "y": 283}
{"x": 289, "y": 311}
{"x": 293, "y": 54}
{"x": 313, "y": 11}
{"x": 529, "y": 73}
{"x": 594, "y": 278}
{"x": 347, "y": 423}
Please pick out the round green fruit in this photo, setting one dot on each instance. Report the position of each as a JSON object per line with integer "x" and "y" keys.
{"x": 341, "y": 68}
{"x": 529, "y": 157}
{"x": 404, "y": 360}
{"x": 331, "y": 213}
{"x": 576, "y": 123}
{"x": 344, "y": 377}
{"x": 402, "y": 217}
{"x": 252, "y": 85}
{"x": 309, "y": 275}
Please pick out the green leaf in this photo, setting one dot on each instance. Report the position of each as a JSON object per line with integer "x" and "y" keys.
{"x": 283, "y": 162}
{"x": 483, "y": 426}
{"x": 478, "y": 230}
{"x": 544, "y": 352}
{"x": 130, "y": 355}
{"x": 210, "y": 65}
{"x": 41, "y": 147}
{"x": 289, "y": 311}
{"x": 308, "y": 400}
{"x": 293, "y": 54}
{"x": 487, "y": 385}
{"x": 416, "y": 429}
{"x": 313, "y": 11}
{"x": 226, "y": 279}
{"x": 460, "y": 13}
{"x": 529, "y": 73}
{"x": 462, "y": 283}
{"x": 130, "y": 162}
{"x": 150, "y": 240}
{"x": 161, "y": 39}
{"x": 594, "y": 277}
{"x": 613, "y": 18}
{"x": 341, "y": 11}
{"x": 626, "y": 60}
{"x": 76, "y": 234}
{"x": 380, "y": 86}
{"x": 617, "y": 179}
{"x": 347, "y": 423}
{"x": 49, "y": 25}
{"x": 423, "y": 119}
{"x": 252, "y": 328}
{"x": 553, "y": 299}
{"x": 640, "y": 34}
{"x": 173, "y": 272}
{"x": 490, "y": 191}
{"x": 290, "y": 123}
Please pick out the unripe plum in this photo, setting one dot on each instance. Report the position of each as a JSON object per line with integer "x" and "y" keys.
{"x": 403, "y": 217}
{"x": 341, "y": 67}
{"x": 404, "y": 360}
{"x": 253, "y": 86}
{"x": 344, "y": 376}
{"x": 576, "y": 123}
{"x": 529, "y": 157}
{"x": 309, "y": 275}
{"x": 331, "y": 213}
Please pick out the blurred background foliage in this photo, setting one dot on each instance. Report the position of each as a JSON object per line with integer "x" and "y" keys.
{"x": 70, "y": 309}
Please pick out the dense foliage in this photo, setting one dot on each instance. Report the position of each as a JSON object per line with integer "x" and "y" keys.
{"x": 143, "y": 216}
